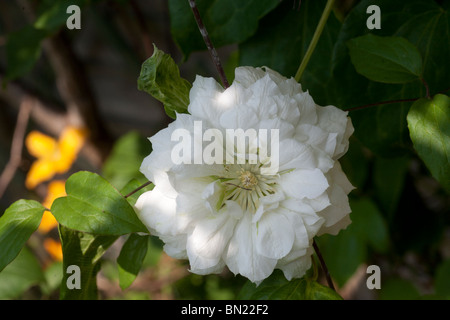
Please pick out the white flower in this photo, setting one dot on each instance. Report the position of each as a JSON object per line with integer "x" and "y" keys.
{"x": 232, "y": 214}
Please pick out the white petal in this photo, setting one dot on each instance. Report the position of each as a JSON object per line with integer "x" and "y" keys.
{"x": 157, "y": 212}
{"x": 233, "y": 209}
{"x": 207, "y": 242}
{"x": 268, "y": 203}
{"x": 337, "y": 176}
{"x": 307, "y": 108}
{"x": 317, "y": 137}
{"x": 175, "y": 246}
{"x": 334, "y": 120}
{"x": 242, "y": 256}
{"x": 338, "y": 226}
{"x": 296, "y": 268}
{"x": 215, "y": 269}
{"x": 213, "y": 195}
{"x": 296, "y": 155}
{"x": 202, "y": 89}
{"x": 239, "y": 118}
{"x": 274, "y": 236}
{"x": 304, "y": 183}
{"x": 246, "y": 76}
{"x": 338, "y": 209}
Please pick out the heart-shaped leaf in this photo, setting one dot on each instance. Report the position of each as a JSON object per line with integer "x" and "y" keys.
{"x": 93, "y": 205}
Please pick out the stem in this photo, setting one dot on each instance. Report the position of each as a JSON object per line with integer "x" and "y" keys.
{"x": 383, "y": 102}
{"x": 315, "y": 39}
{"x": 16, "y": 145}
{"x": 323, "y": 265}
{"x": 209, "y": 45}
{"x": 427, "y": 88}
{"x": 137, "y": 189}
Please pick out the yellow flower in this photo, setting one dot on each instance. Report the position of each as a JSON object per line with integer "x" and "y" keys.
{"x": 56, "y": 189}
{"x": 52, "y": 156}
{"x": 54, "y": 248}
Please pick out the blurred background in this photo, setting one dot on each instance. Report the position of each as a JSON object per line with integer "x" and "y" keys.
{"x": 84, "y": 78}
{"x": 69, "y": 102}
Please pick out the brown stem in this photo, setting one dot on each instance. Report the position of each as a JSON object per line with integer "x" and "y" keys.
{"x": 323, "y": 265}
{"x": 209, "y": 45}
{"x": 137, "y": 189}
{"x": 379, "y": 103}
{"x": 16, "y": 145}
{"x": 427, "y": 88}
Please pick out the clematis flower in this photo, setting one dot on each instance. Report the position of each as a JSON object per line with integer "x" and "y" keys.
{"x": 238, "y": 213}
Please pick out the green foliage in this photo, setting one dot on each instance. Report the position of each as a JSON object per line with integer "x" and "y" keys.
{"x": 442, "y": 280}
{"x": 23, "y": 49}
{"x": 20, "y": 275}
{"x": 130, "y": 259}
{"x": 24, "y": 46}
{"x": 95, "y": 206}
{"x": 17, "y": 224}
{"x": 423, "y": 23}
{"x": 351, "y": 67}
{"x": 124, "y": 161}
{"x": 429, "y": 126}
{"x": 282, "y": 39}
{"x": 277, "y": 287}
{"x": 227, "y": 21}
{"x": 344, "y": 252}
{"x": 52, "y": 15}
{"x": 398, "y": 289}
{"x": 83, "y": 250}
{"x": 160, "y": 77}
{"x": 385, "y": 59}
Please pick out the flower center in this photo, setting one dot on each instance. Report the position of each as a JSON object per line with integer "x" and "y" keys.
{"x": 245, "y": 185}
{"x": 248, "y": 180}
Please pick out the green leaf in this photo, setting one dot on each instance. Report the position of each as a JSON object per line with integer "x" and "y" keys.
{"x": 20, "y": 275}
{"x": 442, "y": 280}
{"x": 17, "y": 224}
{"x": 398, "y": 289}
{"x": 95, "y": 206}
{"x": 227, "y": 21}
{"x": 317, "y": 291}
{"x": 346, "y": 246}
{"x": 369, "y": 225}
{"x": 52, "y": 15}
{"x": 154, "y": 252}
{"x": 23, "y": 49}
{"x": 53, "y": 277}
{"x": 124, "y": 161}
{"x": 389, "y": 177}
{"x": 385, "y": 59}
{"x": 429, "y": 127}
{"x": 277, "y": 287}
{"x": 383, "y": 128}
{"x": 130, "y": 259}
{"x": 160, "y": 77}
{"x": 282, "y": 39}
{"x": 85, "y": 251}
{"x": 355, "y": 164}
{"x": 368, "y": 229}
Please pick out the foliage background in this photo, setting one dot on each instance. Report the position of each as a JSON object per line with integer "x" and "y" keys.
{"x": 400, "y": 215}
